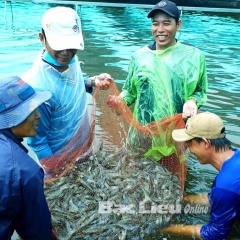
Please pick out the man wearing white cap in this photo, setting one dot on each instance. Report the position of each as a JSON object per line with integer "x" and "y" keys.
{"x": 23, "y": 207}
{"x": 57, "y": 70}
{"x": 205, "y": 137}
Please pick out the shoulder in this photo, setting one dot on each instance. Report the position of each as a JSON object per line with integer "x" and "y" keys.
{"x": 229, "y": 177}
{"x": 142, "y": 52}
{"x": 5, "y": 148}
{"x": 13, "y": 154}
{"x": 16, "y": 164}
{"x": 189, "y": 49}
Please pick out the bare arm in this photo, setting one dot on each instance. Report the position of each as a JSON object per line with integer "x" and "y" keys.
{"x": 201, "y": 199}
{"x": 189, "y": 230}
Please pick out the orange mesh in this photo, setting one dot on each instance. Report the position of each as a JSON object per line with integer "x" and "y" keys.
{"x": 109, "y": 130}
{"x": 110, "y": 133}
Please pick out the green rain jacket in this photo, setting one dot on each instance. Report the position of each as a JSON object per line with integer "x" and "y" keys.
{"x": 159, "y": 82}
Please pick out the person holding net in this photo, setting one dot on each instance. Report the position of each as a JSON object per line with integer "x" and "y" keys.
{"x": 23, "y": 206}
{"x": 165, "y": 78}
{"x": 204, "y": 135}
{"x": 57, "y": 70}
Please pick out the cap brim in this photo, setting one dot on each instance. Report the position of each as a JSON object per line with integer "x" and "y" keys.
{"x": 19, "y": 114}
{"x": 59, "y": 43}
{"x": 180, "y": 135}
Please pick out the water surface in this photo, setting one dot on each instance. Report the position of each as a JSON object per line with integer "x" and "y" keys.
{"x": 111, "y": 36}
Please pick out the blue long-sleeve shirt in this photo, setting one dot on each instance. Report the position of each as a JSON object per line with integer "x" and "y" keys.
{"x": 225, "y": 200}
{"x": 23, "y": 206}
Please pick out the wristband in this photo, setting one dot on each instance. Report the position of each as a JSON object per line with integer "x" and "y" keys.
{"x": 93, "y": 82}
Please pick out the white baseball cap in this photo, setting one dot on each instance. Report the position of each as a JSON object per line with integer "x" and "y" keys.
{"x": 62, "y": 27}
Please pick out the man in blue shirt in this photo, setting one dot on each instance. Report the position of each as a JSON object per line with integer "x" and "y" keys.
{"x": 23, "y": 207}
{"x": 204, "y": 135}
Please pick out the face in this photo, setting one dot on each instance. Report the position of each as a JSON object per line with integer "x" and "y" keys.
{"x": 63, "y": 57}
{"x": 27, "y": 128}
{"x": 200, "y": 150}
{"x": 164, "y": 30}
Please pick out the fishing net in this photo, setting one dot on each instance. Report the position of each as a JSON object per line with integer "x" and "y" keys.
{"x": 100, "y": 189}
{"x": 113, "y": 196}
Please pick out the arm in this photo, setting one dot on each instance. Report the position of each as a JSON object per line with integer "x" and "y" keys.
{"x": 201, "y": 83}
{"x": 197, "y": 88}
{"x": 224, "y": 207}
{"x": 10, "y": 200}
{"x": 88, "y": 84}
{"x": 129, "y": 91}
{"x": 127, "y": 96}
{"x": 188, "y": 230}
{"x": 23, "y": 206}
{"x": 201, "y": 199}
{"x": 34, "y": 220}
{"x": 223, "y": 214}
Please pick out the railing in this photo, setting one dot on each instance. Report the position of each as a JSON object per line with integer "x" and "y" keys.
{"x": 105, "y": 4}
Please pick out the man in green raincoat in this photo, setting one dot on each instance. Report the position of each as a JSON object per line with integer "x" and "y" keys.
{"x": 166, "y": 77}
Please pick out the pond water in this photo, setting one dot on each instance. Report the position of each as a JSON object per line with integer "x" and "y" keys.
{"x": 111, "y": 36}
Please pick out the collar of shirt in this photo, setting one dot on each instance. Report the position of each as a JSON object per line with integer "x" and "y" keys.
{"x": 153, "y": 46}
{"x": 8, "y": 133}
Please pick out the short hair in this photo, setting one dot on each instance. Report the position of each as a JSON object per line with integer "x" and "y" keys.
{"x": 219, "y": 144}
{"x": 177, "y": 20}
{"x": 44, "y": 35}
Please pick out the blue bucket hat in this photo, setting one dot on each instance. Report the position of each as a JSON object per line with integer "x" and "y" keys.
{"x": 17, "y": 101}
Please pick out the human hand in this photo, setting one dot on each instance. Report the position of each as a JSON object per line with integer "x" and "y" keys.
{"x": 114, "y": 102}
{"x": 103, "y": 81}
{"x": 190, "y": 108}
